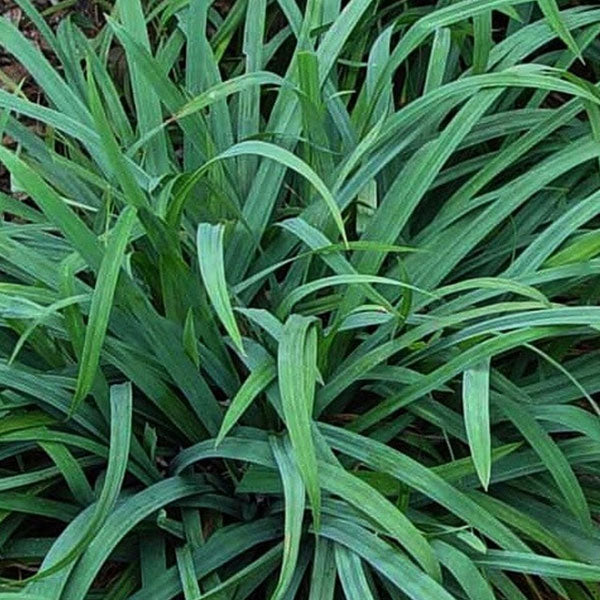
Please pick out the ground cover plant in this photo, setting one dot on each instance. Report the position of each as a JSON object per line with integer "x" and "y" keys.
{"x": 298, "y": 300}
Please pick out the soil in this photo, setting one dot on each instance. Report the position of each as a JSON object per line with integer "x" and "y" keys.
{"x": 13, "y": 76}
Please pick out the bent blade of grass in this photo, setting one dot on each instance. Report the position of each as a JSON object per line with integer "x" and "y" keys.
{"x": 291, "y": 161}
{"x": 244, "y": 449}
{"x": 71, "y": 471}
{"x": 501, "y": 284}
{"x": 239, "y": 84}
{"x": 552, "y": 457}
{"x": 350, "y": 279}
{"x": 294, "y": 496}
{"x": 121, "y": 404}
{"x": 319, "y": 243}
{"x": 39, "y": 319}
{"x": 209, "y": 240}
{"x": 567, "y": 374}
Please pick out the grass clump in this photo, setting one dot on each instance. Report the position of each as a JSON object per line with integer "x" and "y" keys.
{"x": 298, "y": 300}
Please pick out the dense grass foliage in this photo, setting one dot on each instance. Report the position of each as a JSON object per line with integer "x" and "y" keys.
{"x": 298, "y": 300}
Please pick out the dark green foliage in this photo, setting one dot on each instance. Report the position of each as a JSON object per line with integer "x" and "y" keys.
{"x": 298, "y": 300}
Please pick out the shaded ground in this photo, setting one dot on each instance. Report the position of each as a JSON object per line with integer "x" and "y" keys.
{"x": 12, "y": 75}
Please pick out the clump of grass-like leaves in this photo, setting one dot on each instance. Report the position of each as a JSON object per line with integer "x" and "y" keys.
{"x": 298, "y": 300}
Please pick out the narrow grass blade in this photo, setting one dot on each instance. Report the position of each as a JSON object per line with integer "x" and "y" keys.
{"x": 482, "y": 30}
{"x": 382, "y": 458}
{"x": 131, "y": 190}
{"x": 296, "y": 363}
{"x": 71, "y": 470}
{"x": 241, "y": 84}
{"x": 256, "y": 383}
{"x": 391, "y": 563}
{"x": 351, "y": 574}
{"x": 540, "y": 565}
{"x": 365, "y": 498}
{"x": 101, "y": 306}
{"x": 464, "y": 571}
{"x": 552, "y": 14}
{"x": 476, "y": 407}
{"x": 145, "y": 96}
{"x": 190, "y": 341}
{"x": 187, "y": 573}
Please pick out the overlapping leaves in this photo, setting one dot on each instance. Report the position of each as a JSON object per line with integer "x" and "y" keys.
{"x": 299, "y": 301}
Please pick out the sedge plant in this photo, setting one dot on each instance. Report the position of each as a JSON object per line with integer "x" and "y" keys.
{"x": 299, "y": 300}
